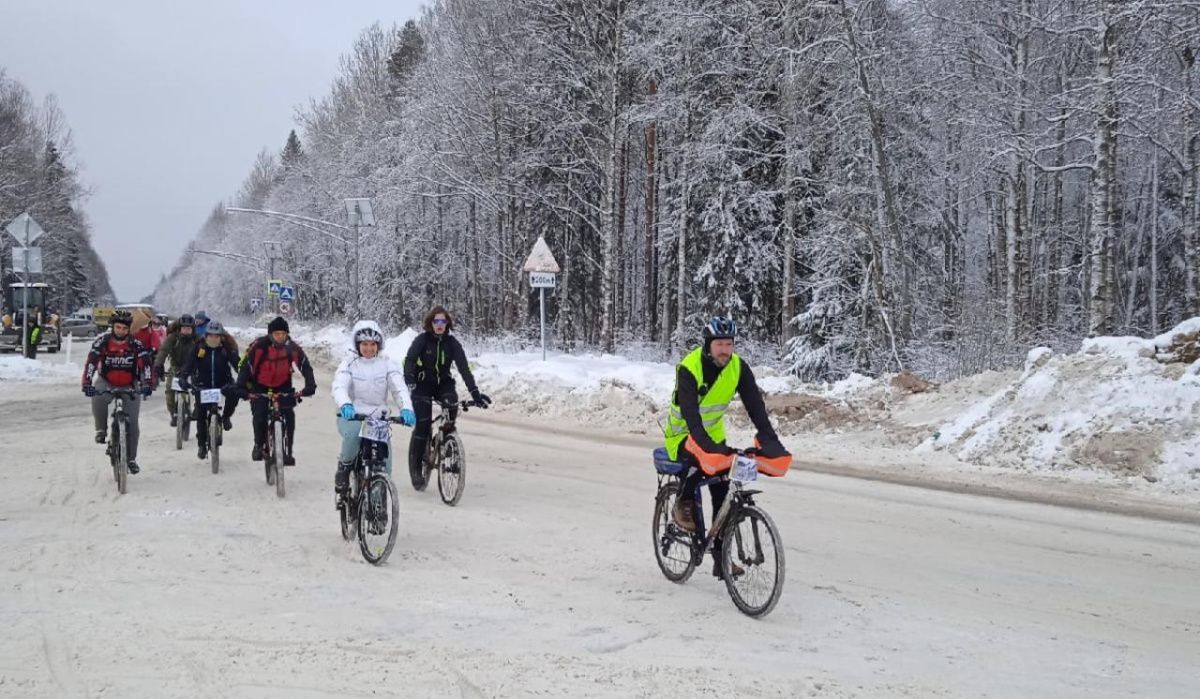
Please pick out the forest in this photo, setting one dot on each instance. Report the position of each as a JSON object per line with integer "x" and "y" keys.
{"x": 39, "y": 175}
{"x": 864, "y": 185}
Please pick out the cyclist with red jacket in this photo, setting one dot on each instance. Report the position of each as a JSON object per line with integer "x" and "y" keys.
{"x": 117, "y": 360}
{"x": 267, "y": 366}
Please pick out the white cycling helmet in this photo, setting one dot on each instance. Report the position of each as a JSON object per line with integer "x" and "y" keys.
{"x": 367, "y": 335}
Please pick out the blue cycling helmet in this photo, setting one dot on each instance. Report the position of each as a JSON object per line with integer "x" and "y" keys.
{"x": 720, "y": 328}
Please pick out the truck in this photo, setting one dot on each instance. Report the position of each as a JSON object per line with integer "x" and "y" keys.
{"x": 34, "y": 296}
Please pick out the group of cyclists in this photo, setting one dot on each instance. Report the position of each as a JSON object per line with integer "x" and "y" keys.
{"x": 202, "y": 355}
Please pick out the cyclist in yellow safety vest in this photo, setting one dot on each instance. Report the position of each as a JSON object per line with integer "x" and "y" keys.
{"x": 706, "y": 381}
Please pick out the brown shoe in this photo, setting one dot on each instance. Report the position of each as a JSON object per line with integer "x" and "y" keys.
{"x": 684, "y": 514}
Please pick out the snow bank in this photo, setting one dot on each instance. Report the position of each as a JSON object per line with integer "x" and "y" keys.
{"x": 624, "y": 392}
{"x": 46, "y": 370}
{"x": 1111, "y": 407}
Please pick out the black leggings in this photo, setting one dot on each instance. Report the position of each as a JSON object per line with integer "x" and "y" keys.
{"x": 260, "y": 409}
{"x": 423, "y": 407}
{"x": 717, "y": 490}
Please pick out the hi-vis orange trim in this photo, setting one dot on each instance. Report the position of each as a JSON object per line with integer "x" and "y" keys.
{"x": 713, "y": 464}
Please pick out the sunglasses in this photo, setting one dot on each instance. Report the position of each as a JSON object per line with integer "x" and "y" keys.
{"x": 439, "y": 321}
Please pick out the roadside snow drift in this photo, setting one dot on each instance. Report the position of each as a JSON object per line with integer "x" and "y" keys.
{"x": 1121, "y": 405}
{"x": 45, "y": 370}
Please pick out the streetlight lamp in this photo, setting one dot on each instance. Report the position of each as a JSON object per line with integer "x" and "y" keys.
{"x": 358, "y": 209}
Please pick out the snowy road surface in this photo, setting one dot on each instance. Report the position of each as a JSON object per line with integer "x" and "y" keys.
{"x": 542, "y": 581}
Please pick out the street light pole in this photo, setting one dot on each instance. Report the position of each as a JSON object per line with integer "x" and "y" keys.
{"x": 25, "y": 294}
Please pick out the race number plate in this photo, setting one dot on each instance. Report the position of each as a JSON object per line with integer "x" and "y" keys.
{"x": 745, "y": 470}
{"x": 375, "y": 430}
{"x": 210, "y": 395}
{"x": 175, "y": 385}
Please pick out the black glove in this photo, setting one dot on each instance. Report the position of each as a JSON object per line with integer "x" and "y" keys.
{"x": 89, "y": 390}
{"x": 184, "y": 384}
{"x": 480, "y": 399}
{"x": 308, "y": 391}
{"x": 231, "y": 391}
{"x": 147, "y": 389}
{"x": 771, "y": 448}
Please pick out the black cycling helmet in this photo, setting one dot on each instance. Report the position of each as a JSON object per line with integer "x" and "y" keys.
{"x": 123, "y": 317}
{"x": 720, "y": 328}
{"x": 186, "y": 320}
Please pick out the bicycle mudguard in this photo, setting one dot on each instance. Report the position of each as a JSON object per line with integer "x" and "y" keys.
{"x": 664, "y": 465}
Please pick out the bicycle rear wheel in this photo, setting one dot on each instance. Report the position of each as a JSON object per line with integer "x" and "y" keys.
{"x": 348, "y": 512}
{"x": 122, "y": 465}
{"x": 214, "y": 440}
{"x": 452, "y": 471}
{"x": 751, "y": 541}
{"x": 277, "y": 456}
{"x": 672, "y": 545}
{"x": 378, "y": 518}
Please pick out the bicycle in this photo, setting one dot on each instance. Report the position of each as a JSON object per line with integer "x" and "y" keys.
{"x": 751, "y": 558}
{"x": 445, "y": 454}
{"x": 276, "y": 444}
{"x": 183, "y": 413}
{"x": 373, "y": 497}
{"x": 118, "y": 442}
{"x": 210, "y": 413}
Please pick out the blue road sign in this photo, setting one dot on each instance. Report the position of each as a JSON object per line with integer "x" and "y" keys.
{"x": 287, "y": 293}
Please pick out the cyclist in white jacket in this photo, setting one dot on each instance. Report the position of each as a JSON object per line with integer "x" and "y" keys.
{"x": 361, "y": 385}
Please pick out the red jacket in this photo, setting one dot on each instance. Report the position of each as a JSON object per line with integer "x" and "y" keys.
{"x": 151, "y": 337}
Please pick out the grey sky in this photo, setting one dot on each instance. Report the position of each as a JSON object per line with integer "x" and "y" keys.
{"x": 170, "y": 102}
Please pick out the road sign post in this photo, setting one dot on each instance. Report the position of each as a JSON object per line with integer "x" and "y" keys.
{"x": 25, "y": 230}
{"x": 543, "y": 269}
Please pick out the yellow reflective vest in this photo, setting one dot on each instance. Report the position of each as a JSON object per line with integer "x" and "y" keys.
{"x": 714, "y": 401}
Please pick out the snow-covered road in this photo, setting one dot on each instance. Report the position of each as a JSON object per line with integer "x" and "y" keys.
{"x": 543, "y": 582}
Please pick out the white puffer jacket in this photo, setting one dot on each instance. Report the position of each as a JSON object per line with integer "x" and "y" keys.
{"x": 366, "y": 382}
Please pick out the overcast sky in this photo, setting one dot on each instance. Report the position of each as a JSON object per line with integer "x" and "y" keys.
{"x": 170, "y": 102}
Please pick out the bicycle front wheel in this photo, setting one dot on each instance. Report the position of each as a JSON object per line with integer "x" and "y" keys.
{"x": 452, "y": 471}
{"x": 180, "y": 420}
{"x": 277, "y": 457}
{"x": 752, "y": 561}
{"x": 672, "y": 545}
{"x": 378, "y": 518}
{"x": 214, "y": 441}
{"x": 122, "y": 465}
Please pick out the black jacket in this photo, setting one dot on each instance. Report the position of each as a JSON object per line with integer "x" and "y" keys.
{"x": 428, "y": 362}
{"x": 206, "y": 367}
{"x": 686, "y": 396}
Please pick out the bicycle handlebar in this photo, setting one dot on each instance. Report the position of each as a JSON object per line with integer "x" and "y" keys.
{"x": 359, "y": 417}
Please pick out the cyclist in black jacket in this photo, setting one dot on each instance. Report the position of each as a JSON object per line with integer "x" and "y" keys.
{"x": 427, "y": 373}
{"x": 210, "y": 364}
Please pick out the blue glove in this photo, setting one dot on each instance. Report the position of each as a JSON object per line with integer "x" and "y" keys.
{"x": 407, "y": 417}
{"x": 347, "y": 411}
{"x": 89, "y": 390}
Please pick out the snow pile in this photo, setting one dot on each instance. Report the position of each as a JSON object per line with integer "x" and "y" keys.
{"x": 1114, "y": 407}
{"x": 20, "y": 369}
{"x": 624, "y": 392}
